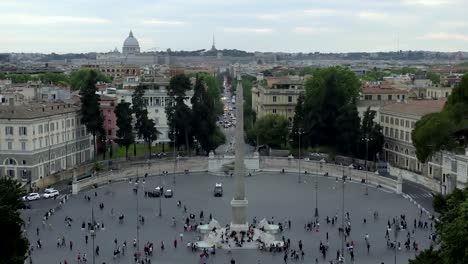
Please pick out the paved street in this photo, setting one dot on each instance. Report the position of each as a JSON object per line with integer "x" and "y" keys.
{"x": 270, "y": 195}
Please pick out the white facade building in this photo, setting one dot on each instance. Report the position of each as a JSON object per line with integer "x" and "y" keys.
{"x": 156, "y": 102}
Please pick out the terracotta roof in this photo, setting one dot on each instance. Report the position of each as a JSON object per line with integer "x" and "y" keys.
{"x": 380, "y": 90}
{"x": 415, "y": 107}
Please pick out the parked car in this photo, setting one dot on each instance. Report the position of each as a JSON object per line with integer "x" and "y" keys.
{"x": 218, "y": 190}
{"x": 169, "y": 193}
{"x": 49, "y": 193}
{"x": 32, "y": 197}
{"x": 157, "y": 191}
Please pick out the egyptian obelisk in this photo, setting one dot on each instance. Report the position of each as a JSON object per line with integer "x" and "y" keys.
{"x": 239, "y": 202}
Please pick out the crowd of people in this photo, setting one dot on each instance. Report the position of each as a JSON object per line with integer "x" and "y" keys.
{"x": 290, "y": 250}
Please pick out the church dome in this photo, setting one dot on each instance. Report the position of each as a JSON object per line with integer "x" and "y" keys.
{"x": 131, "y": 45}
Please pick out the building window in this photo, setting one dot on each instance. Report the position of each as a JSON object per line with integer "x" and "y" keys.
{"x": 386, "y": 119}
{"x": 407, "y": 123}
{"x": 23, "y": 131}
{"x": 289, "y": 99}
{"x": 402, "y": 122}
{"x": 396, "y": 121}
{"x": 386, "y": 131}
{"x": 9, "y": 130}
{"x": 274, "y": 99}
{"x": 46, "y": 127}
{"x": 40, "y": 129}
{"x": 412, "y": 124}
{"x": 391, "y": 132}
{"x": 407, "y": 136}
{"x": 379, "y": 97}
{"x": 274, "y": 111}
{"x": 10, "y": 145}
{"x": 52, "y": 127}
{"x": 401, "y": 134}
{"x": 407, "y": 163}
{"x": 368, "y": 97}
{"x": 390, "y": 97}
{"x": 23, "y": 145}
{"x": 391, "y": 120}
{"x": 430, "y": 170}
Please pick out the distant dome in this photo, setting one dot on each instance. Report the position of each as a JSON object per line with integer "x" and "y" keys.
{"x": 131, "y": 45}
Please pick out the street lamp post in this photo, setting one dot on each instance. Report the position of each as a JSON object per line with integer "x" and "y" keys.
{"x": 316, "y": 192}
{"x": 137, "y": 184}
{"x": 299, "y": 132}
{"x": 396, "y": 242}
{"x": 366, "y": 138}
{"x": 93, "y": 232}
{"x": 175, "y": 133}
{"x": 343, "y": 214}
{"x": 160, "y": 197}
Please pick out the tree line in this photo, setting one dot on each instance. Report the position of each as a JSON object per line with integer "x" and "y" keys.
{"x": 75, "y": 79}
{"x": 189, "y": 126}
{"x": 325, "y": 116}
{"x": 446, "y": 130}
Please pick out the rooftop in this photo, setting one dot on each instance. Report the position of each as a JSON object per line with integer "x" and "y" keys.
{"x": 382, "y": 90}
{"x": 415, "y": 107}
{"x": 36, "y": 110}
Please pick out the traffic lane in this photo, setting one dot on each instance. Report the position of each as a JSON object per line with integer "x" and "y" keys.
{"x": 420, "y": 194}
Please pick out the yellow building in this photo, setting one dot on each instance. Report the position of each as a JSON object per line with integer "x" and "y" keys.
{"x": 277, "y": 95}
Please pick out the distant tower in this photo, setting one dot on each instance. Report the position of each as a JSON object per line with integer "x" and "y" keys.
{"x": 213, "y": 46}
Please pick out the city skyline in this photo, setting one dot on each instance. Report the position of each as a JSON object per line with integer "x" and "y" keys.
{"x": 295, "y": 26}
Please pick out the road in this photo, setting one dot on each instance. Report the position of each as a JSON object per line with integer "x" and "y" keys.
{"x": 269, "y": 194}
{"x": 229, "y": 147}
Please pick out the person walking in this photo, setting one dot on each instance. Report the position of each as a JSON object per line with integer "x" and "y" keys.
{"x": 175, "y": 243}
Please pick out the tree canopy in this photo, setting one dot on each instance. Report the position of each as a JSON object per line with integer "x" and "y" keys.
{"x": 125, "y": 136}
{"x": 452, "y": 247}
{"x": 77, "y": 79}
{"x": 272, "y": 130}
{"x": 330, "y": 96}
{"x": 14, "y": 244}
{"x": 91, "y": 114}
{"x": 446, "y": 130}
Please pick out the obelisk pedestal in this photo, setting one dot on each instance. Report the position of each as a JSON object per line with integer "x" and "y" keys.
{"x": 239, "y": 203}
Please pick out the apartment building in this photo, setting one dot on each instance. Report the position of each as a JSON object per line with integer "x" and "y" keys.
{"x": 37, "y": 140}
{"x": 436, "y": 92}
{"x": 398, "y": 121}
{"x": 382, "y": 92}
{"x": 277, "y": 95}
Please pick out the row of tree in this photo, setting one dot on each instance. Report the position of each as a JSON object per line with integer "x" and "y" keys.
{"x": 326, "y": 116}
{"x": 75, "y": 80}
{"x": 129, "y": 119}
{"x": 451, "y": 247}
{"x": 196, "y": 125}
{"x": 446, "y": 130}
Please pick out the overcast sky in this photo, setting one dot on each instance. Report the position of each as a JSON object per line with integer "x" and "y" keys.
{"x": 265, "y": 25}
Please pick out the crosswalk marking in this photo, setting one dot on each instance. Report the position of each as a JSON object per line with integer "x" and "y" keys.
{"x": 420, "y": 195}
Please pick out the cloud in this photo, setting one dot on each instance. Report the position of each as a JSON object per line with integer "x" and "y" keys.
{"x": 445, "y": 36}
{"x": 247, "y": 30}
{"x": 373, "y": 16}
{"x": 316, "y": 12}
{"x": 430, "y": 3}
{"x": 313, "y": 30}
{"x": 453, "y": 24}
{"x": 163, "y": 22}
{"x": 28, "y": 19}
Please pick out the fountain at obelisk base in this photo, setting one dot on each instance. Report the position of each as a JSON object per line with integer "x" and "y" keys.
{"x": 238, "y": 234}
